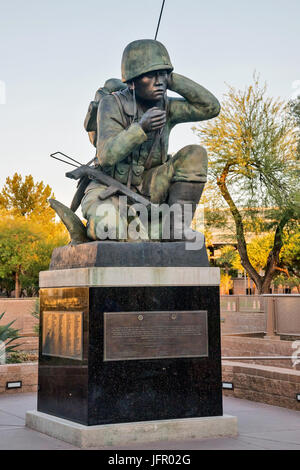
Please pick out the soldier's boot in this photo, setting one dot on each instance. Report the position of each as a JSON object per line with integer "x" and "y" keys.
{"x": 186, "y": 195}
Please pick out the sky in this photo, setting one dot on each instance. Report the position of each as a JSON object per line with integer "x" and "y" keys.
{"x": 55, "y": 54}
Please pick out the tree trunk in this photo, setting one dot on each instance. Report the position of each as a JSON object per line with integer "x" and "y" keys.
{"x": 241, "y": 242}
{"x": 262, "y": 283}
{"x": 273, "y": 258}
{"x": 17, "y": 285}
{"x": 266, "y": 285}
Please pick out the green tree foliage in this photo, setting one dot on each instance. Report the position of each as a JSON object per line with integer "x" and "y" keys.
{"x": 36, "y": 314}
{"x": 28, "y": 233}
{"x": 252, "y": 146}
{"x": 25, "y": 249}
{"x": 284, "y": 281}
{"x": 290, "y": 253}
{"x": 258, "y": 249}
{"x": 228, "y": 258}
{"x": 18, "y": 242}
{"x": 295, "y": 113}
{"x": 8, "y": 335}
{"x": 226, "y": 283}
{"x": 26, "y": 198}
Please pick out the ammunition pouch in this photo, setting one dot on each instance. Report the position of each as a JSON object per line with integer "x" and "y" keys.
{"x": 121, "y": 173}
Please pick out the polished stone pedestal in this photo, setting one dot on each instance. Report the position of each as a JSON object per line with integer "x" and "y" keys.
{"x": 83, "y": 381}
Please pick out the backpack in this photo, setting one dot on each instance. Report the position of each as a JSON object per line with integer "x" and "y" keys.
{"x": 90, "y": 123}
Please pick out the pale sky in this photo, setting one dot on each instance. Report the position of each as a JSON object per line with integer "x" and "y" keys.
{"x": 55, "y": 54}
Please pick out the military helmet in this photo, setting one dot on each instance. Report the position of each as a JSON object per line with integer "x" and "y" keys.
{"x": 142, "y": 56}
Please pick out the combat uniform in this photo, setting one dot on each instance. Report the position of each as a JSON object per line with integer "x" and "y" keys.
{"x": 140, "y": 159}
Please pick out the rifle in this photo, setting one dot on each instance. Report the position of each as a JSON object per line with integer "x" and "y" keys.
{"x": 114, "y": 186}
{"x": 85, "y": 173}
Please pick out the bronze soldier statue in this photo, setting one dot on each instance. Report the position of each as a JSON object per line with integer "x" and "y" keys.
{"x": 130, "y": 122}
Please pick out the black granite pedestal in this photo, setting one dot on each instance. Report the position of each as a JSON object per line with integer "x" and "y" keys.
{"x": 82, "y": 377}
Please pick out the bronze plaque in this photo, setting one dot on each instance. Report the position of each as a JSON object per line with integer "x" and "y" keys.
{"x": 155, "y": 335}
{"x": 62, "y": 334}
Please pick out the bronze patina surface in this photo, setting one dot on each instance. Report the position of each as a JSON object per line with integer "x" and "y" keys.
{"x": 153, "y": 335}
{"x": 129, "y": 124}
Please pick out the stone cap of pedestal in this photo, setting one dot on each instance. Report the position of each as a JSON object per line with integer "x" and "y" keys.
{"x": 130, "y": 277}
{"x": 103, "y": 254}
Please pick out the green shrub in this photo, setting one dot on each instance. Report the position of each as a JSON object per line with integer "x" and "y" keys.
{"x": 7, "y": 336}
{"x": 17, "y": 357}
{"x": 36, "y": 314}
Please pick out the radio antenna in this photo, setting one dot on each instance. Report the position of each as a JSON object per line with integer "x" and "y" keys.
{"x": 162, "y": 7}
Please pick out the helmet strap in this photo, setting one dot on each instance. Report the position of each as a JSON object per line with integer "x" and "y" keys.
{"x": 134, "y": 101}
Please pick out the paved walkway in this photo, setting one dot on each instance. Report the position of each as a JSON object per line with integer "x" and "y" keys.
{"x": 261, "y": 427}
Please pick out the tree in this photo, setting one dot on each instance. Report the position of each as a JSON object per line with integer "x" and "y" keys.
{"x": 26, "y": 198}
{"x": 18, "y": 242}
{"x": 52, "y": 236}
{"x": 25, "y": 249}
{"x": 258, "y": 250}
{"x": 226, "y": 283}
{"x": 290, "y": 253}
{"x": 227, "y": 258}
{"x": 283, "y": 281}
{"x": 28, "y": 233}
{"x": 294, "y": 106}
{"x": 253, "y": 151}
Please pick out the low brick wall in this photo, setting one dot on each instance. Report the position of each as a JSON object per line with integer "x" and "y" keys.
{"x": 272, "y": 385}
{"x": 28, "y": 343}
{"x": 20, "y": 311}
{"x": 27, "y": 373}
{"x": 233, "y": 346}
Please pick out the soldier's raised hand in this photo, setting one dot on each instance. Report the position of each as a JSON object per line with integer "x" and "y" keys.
{"x": 170, "y": 81}
{"x": 153, "y": 119}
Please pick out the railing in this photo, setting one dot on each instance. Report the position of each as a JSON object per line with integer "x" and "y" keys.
{"x": 242, "y": 303}
{"x": 281, "y": 312}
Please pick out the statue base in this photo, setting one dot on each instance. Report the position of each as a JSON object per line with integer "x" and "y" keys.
{"x": 132, "y": 433}
{"x": 108, "y": 254}
{"x": 125, "y": 343}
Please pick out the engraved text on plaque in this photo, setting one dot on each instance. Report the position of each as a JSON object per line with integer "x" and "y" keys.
{"x": 62, "y": 334}
{"x": 151, "y": 335}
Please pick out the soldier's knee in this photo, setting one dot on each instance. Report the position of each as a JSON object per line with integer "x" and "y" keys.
{"x": 102, "y": 222}
{"x": 199, "y": 152}
{"x": 191, "y": 164}
{"x": 195, "y": 152}
{"x": 103, "y": 228}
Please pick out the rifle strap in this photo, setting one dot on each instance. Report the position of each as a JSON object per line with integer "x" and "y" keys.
{"x": 148, "y": 162}
{"x": 81, "y": 187}
{"x": 126, "y": 123}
